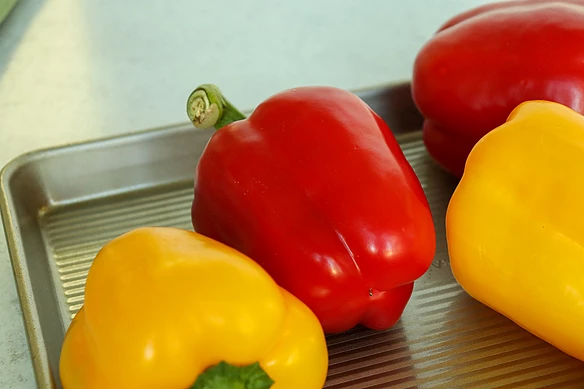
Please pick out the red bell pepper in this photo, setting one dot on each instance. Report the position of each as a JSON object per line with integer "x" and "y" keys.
{"x": 315, "y": 188}
{"x": 483, "y": 63}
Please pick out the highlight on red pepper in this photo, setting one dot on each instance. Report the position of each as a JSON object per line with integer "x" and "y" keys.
{"x": 315, "y": 188}
{"x": 483, "y": 63}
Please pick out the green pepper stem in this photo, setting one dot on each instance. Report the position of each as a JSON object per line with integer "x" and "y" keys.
{"x": 227, "y": 376}
{"x": 207, "y": 107}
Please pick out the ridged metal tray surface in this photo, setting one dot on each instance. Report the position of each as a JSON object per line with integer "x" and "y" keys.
{"x": 445, "y": 339}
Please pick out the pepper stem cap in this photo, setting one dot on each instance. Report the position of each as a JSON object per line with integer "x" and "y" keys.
{"x": 227, "y": 376}
{"x": 207, "y": 107}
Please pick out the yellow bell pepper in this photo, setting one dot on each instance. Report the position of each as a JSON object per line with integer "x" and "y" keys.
{"x": 515, "y": 224}
{"x": 171, "y": 309}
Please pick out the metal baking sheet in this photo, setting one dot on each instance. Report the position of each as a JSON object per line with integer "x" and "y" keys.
{"x": 60, "y": 206}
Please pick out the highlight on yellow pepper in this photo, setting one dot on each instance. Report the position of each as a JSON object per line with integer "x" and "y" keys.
{"x": 167, "y": 308}
{"x": 515, "y": 224}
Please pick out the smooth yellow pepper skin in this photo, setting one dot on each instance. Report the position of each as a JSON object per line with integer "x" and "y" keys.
{"x": 164, "y": 304}
{"x": 515, "y": 224}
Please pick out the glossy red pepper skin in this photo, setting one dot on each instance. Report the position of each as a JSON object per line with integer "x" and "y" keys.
{"x": 483, "y": 63}
{"x": 315, "y": 188}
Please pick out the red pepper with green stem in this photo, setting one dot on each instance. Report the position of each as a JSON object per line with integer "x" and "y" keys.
{"x": 315, "y": 188}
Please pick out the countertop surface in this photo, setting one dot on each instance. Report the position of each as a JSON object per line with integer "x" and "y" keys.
{"x": 74, "y": 70}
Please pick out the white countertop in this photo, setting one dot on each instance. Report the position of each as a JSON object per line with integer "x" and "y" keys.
{"x": 72, "y": 70}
